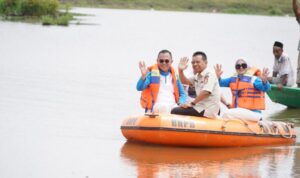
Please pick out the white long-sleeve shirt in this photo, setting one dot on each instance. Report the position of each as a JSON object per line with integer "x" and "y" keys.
{"x": 283, "y": 66}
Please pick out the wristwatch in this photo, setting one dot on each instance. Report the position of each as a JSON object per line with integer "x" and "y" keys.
{"x": 193, "y": 104}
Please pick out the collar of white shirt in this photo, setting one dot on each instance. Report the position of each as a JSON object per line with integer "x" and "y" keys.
{"x": 203, "y": 73}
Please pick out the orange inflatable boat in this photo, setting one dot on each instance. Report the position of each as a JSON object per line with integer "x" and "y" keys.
{"x": 178, "y": 130}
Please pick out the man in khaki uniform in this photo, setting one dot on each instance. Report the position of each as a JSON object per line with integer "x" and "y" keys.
{"x": 297, "y": 14}
{"x": 205, "y": 81}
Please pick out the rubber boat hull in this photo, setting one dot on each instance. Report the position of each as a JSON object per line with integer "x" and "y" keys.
{"x": 177, "y": 130}
{"x": 287, "y": 96}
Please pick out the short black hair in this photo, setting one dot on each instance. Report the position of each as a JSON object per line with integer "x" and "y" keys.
{"x": 278, "y": 44}
{"x": 204, "y": 57}
{"x": 165, "y": 51}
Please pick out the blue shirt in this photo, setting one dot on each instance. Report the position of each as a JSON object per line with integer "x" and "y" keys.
{"x": 143, "y": 84}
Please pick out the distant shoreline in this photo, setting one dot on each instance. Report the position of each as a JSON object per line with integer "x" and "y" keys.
{"x": 265, "y": 7}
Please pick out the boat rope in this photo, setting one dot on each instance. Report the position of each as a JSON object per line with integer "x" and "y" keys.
{"x": 247, "y": 125}
{"x": 288, "y": 128}
{"x": 264, "y": 128}
{"x": 268, "y": 127}
{"x": 244, "y": 122}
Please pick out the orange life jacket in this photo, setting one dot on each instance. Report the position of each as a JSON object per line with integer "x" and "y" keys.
{"x": 149, "y": 95}
{"x": 244, "y": 95}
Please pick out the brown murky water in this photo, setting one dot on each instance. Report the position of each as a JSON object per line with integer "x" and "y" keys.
{"x": 64, "y": 93}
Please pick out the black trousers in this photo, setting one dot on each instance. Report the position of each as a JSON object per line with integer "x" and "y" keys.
{"x": 187, "y": 111}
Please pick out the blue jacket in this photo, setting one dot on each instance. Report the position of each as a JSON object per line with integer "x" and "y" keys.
{"x": 258, "y": 84}
{"x": 142, "y": 84}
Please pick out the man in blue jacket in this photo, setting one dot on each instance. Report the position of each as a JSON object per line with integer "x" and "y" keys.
{"x": 160, "y": 86}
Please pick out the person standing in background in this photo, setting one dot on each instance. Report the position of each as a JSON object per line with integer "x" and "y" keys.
{"x": 283, "y": 74}
{"x": 297, "y": 15}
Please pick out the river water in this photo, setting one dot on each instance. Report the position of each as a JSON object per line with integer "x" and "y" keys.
{"x": 65, "y": 90}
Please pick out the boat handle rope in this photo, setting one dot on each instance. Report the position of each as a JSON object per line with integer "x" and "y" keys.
{"x": 272, "y": 129}
{"x": 275, "y": 125}
{"x": 247, "y": 125}
{"x": 264, "y": 129}
{"x": 241, "y": 120}
{"x": 289, "y": 130}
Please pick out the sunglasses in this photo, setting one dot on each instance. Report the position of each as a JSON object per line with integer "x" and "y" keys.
{"x": 238, "y": 66}
{"x": 164, "y": 61}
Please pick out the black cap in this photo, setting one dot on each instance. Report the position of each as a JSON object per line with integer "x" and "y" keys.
{"x": 278, "y": 44}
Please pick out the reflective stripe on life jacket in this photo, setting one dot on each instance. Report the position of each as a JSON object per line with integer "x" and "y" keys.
{"x": 244, "y": 94}
{"x": 149, "y": 95}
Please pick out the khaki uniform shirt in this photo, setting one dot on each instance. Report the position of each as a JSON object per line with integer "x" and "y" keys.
{"x": 207, "y": 81}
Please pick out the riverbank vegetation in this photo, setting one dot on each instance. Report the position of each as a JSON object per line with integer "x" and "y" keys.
{"x": 45, "y": 11}
{"x": 262, "y": 7}
{"x": 56, "y": 12}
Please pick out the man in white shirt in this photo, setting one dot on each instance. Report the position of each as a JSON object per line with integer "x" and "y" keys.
{"x": 283, "y": 74}
{"x": 205, "y": 81}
